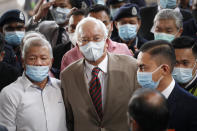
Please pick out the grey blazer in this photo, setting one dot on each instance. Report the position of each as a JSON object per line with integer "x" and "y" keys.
{"x": 49, "y": 29}
{"x": 81, "y": 113}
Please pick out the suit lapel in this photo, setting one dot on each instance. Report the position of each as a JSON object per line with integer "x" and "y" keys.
{"x": 82, "y": 81}
{"x": 110, "y": 90}
{"x": 172, "y": 103}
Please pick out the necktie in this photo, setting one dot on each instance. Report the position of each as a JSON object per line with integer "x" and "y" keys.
{"x": 59, "y": 39}
{"x": 95, "y": 92}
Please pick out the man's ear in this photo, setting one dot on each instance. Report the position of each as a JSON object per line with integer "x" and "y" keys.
{"x": 111, "y": 26}
{"x": 116, "y": 24}
{"x": 77, "y": 45}
{"x": 166, "y": 70}
{"x": 23, "y": 63}
{"x": 139, "y": 24}
{"x": 66, "y": 28}
{"x": 1, "y": 29}
{"x": 135, "y": 126}
{"x": 52, "y": 60}
{"x": 180, "y": 32}
{"x": 2, "y": 54}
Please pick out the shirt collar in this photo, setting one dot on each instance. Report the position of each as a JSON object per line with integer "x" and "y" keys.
{"x": 169, "y": 89}
{"x": 27, "y": 83}
{"x": 102, "y": 65}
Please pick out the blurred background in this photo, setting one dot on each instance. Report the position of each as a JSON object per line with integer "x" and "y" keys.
{"x": 27, "y": 5}
{"x": 11, "y": 4}
{"x": 19, "y": 4}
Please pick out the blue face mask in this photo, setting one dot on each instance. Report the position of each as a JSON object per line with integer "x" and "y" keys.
{"x": 101, "y": 2}
{"x": 164, "y": 36}
{"x": 171, "y": 4}
{"x": 37, "y": 73}
{"x": 146, "y": 81}
{"x": 183, "y": 75}
{"x": 14, "y": 38}
{"x": 127, "y": 32}
{"x": 163, "y": 3}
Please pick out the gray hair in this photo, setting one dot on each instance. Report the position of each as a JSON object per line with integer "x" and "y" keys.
{"x": 33, "y": 38}
{"x": 170, "y": 14}
{"x": 96, "y": 21}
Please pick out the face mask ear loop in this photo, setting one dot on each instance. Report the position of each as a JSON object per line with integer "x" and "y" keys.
{"x": 194, "y": 64}
{"x": 177, "y": 32}
{"x": 157, "y": 70}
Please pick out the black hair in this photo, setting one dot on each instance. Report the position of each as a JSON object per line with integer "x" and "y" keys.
{"x": 97, "y": 8}
{"x": 78, "y": 12}
{"x": 76, "y": 3}
{"x": 162, "y": 49}
{"x": 2, "y": 42}
{"x": 113, "y": 2}
{"x": 185, "y": 42}
{"x": 149, "y": 115}
{"x": 80, "y": 4}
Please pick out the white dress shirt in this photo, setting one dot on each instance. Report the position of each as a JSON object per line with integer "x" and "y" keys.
{"x": 169, "y": 89}
{"x": 102, "y": 76}
{"x": 25, "y": 107}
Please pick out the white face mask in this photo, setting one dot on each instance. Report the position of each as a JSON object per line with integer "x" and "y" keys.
{"x": 59, "y": 14}
{"x": 72, "y": 38}
{"x": 92, "y": 51}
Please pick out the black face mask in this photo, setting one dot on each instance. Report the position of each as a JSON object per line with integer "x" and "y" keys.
{"x": 194, "y": 13}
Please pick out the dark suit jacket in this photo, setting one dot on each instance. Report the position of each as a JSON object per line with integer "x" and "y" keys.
{"x": 8, "y": 74}
{"x": 190, "y": 28}
{"x": 2, "y": 128}
{"x": 147, "y": 17}
{"x": 182, "y": 107}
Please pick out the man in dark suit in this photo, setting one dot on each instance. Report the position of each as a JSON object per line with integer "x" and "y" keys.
{"x": 156, "y": 61}
{"x": 190, "y": 26}
{"x": 2, "y": 128}
{"x": 148, "y": 15}
{"x": 186, "y": 63}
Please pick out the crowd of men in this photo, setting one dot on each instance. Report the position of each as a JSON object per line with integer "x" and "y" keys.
{"x": 99, "y": 65}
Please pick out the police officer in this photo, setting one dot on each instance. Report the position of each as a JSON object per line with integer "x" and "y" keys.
{"x": 114, "y": 6}
{"x": 12, "y": 25}
{"x": 8, "y": 73}
{"x": 127, "y": 21}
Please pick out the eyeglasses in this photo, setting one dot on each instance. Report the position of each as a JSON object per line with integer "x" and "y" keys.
{"x": 86, "y": 40}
